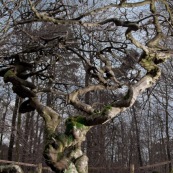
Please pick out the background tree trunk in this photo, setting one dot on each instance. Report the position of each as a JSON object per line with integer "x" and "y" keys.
{"x": 138, "y": 145}
{"x": 13, "y": 129}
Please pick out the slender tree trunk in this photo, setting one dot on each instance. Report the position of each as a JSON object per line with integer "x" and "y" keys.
{"x": 162, "y": 140}
{"x": 137, "y": 137}
{"x": 132, "y": 168}
{"x": 19, "y": 133}
{"x": 26, "y": 136}
{"x": 167, "y": 129}
{"x": 13, "y": 126}
{"x": 40, "y": 141}
{"x": 2, "y": 131}
{"x": 131, "y": 148}
{"x": 89, "y": 135}
{"x": 36, "y": 135}
{"x": 31, "y": 139}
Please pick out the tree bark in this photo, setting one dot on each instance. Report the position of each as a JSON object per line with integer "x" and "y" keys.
{"x": 13, "y": 130}
{"x": 137, "y": 137}
{"x": 10, "y": 169}
{"x": 26, "y": 135}
{"x": 2, "y": 130}
{"x": 167, "y": 129}
{"x": 19, "y": 135}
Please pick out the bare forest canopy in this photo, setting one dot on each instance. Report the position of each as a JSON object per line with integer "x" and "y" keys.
{"x": 57, "y": 56}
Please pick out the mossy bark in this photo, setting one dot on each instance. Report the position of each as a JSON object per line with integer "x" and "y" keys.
{"x": 10, "y": 169}
{"x": 63, "y": 151}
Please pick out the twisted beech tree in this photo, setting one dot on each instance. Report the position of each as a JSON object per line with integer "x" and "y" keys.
{"x": 117, "y": 50}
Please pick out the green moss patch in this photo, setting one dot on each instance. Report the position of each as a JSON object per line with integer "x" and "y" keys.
{"x": 8, "y": 74}
{"x": 78, "y": 122}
